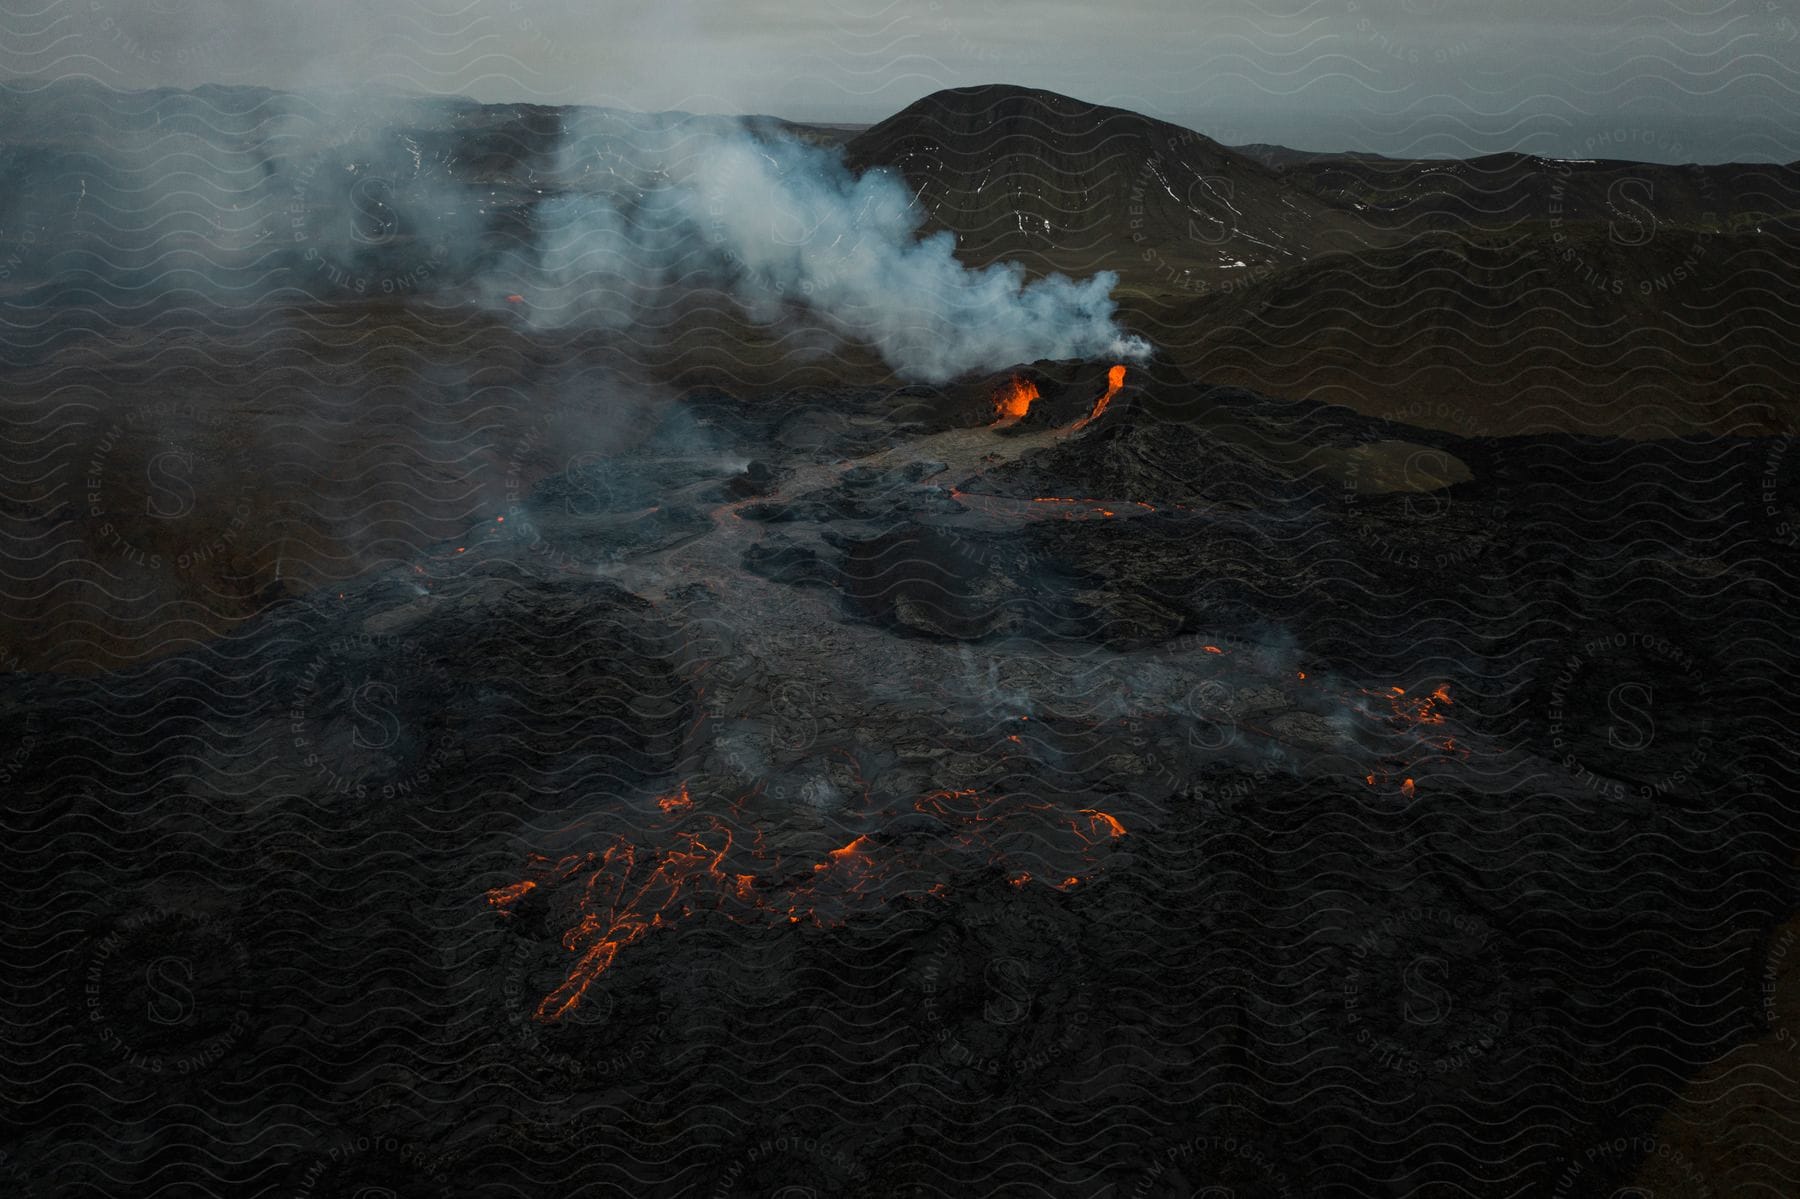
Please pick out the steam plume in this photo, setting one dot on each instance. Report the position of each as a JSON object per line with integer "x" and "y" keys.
{"x": 785, "y": 226}
{"x": 598, "y": 217}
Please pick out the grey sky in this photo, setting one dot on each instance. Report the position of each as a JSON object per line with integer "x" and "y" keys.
{"x": 1674, "y": 80}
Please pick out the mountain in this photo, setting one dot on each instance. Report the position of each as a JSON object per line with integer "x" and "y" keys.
{"x": 1521, "y": 333}
{"x": 665, "y": 753}
{"x": 1063, "y": 185}
{"x": 1499, "y": 294}
{"x": 1507, "y": 191}
{"x": 1502, "y": 294}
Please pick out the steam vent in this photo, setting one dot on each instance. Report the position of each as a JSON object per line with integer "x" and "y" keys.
{"x": 559, "y": 643}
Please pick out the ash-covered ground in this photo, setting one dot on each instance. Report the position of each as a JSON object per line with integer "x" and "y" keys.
{"x": 841, "y": 791}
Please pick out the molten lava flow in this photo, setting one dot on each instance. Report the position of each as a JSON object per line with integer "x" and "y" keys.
{"x": 1099, "y": 822}
{"x": 1013, "y": 400}
{"x": 1414, "y": 716}
{"x": 618, "y": 895}
{"x": 1408, "y": 711}
{"x": 1097, "y": 507}
{"x": 624, "y": 894}
{"x": 1414, "y": 711}
{"x": 1115, "y": 379}
{"x": 502, "y": 897}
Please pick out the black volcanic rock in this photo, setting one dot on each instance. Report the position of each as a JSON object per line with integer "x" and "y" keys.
{"x": 862, "y": 493}
{"x": 316, "y": 815}
{"x": 628, "y": 484}
{"x": 758, "y": 478}
{"x": 784, "y": 562}
{"x": 260, "y": 939}
{"x": 921, "y": 580}
{"x": 926, "y": 581}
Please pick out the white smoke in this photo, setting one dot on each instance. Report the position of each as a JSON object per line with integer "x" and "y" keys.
{"x": 792, "y": 233}
{"x": 615, "y": 220}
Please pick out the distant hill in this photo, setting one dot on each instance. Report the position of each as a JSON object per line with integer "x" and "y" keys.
{"x": 1493, "y": 294}
{"x": 1271, "y": 155}
{"x": 1061, "y": 184}
{"x": 1073, "y": 186}
{"x": 1506, "y": 191}
{"x": 1501, "y": 294}
{"x": 1531, "y": 332}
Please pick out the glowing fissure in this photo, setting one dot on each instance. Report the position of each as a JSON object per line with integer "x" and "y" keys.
{"x": 1416, "y": 714}
{"x": 1115, "y": 379}
{"x": 1013, "y": 400}
{"x": 621, "y": 893}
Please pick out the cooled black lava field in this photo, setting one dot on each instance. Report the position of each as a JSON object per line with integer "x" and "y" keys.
{"x": 455, "y": 748}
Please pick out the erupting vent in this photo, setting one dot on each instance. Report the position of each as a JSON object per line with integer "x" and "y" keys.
{"x": 1115, "y": 379}
{"x": 1013, "y": 400}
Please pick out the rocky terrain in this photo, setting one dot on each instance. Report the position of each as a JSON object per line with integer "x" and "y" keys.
{"x": 454, "y": 748}
{"x": 1507, "y": 294}
{"x": 865, "y": 818}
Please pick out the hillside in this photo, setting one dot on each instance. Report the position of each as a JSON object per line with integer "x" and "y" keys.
{"x": 1061, "y": 184}
{"x": 1501, "y": 294}
{"x": 1526, "y": 333}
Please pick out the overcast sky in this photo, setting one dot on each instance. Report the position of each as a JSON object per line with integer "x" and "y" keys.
{"x": 1669, "y": 80}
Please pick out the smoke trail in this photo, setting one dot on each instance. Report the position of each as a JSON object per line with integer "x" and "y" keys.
{"x": 804, "y": 228}
{"x": 784, "y": 225}
{"x": 602, "y": 218}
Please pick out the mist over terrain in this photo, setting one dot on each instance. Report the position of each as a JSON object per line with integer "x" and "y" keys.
{"x": 1709, "y": 82}
{"x": 604, "y": 219}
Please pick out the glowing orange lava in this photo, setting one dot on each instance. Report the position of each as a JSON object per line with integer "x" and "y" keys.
{"x": 1013, "y": 400}
{"x": 620, "y": 894}
{"x": 1115, "y": 379}
{"x": 1414, "y": 709}
{"x": 1101, "y": 821}
{"x": 1415, "y": 715}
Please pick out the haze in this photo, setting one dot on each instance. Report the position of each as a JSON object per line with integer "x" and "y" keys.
{"x": 1660, "y": 80}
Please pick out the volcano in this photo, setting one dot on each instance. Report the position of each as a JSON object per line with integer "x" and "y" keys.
{"x": 1059, "y": 184}
{"x": 455, "y": 746}
{"x": 1387, "y": 284}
